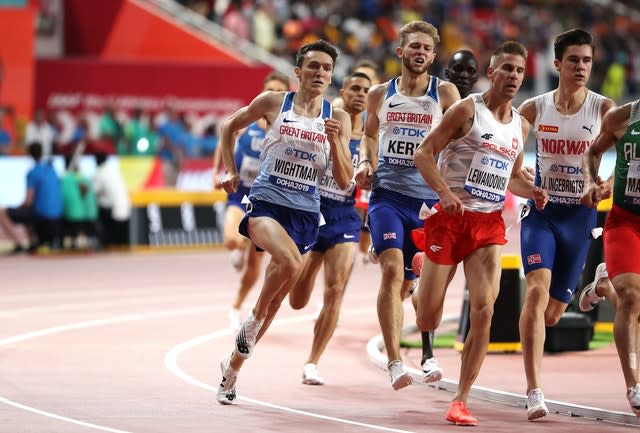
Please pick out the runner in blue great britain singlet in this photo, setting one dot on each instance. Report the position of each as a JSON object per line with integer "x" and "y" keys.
{"x": 247, "y": 155}
{"x": 558, "y": 237}
{"x": 293, "y": 161}
{"x": 338, "y": 208}
{"x": 398, "y": 189}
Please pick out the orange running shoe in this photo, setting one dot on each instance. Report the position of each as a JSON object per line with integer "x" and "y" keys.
{"x": 460, "y": 415}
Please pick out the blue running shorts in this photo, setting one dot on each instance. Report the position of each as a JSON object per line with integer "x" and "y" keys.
{"x": 342, "y": 224}
{"x": 392, "y": 217}
{"x": 557, "y": 239}
{"x": 301, "y": 226}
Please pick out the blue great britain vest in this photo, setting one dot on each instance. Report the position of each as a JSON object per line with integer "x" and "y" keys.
{"x": 294, "y": 159}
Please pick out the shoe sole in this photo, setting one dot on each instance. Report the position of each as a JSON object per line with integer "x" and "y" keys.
{"x": 536, "y": 414}
{"x": 312, "y": 382}
{"x": 402, "y": 382}
{"x": 462, "y": 423}
{"x": 583, "y": 295}
{"x": 433, "y": 376}
{"x": 225, "y": 400}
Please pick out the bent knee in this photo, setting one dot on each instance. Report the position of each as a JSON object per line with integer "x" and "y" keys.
{"x": 629, "y": 300}
{"x": 334, "y": 292}
{"x": 551, "y": 319}
{"x": 296, "y": 303}
{"x": 427, "y": 324}
{"x": 428, "y": 320}
{"x": 481, "y": 316}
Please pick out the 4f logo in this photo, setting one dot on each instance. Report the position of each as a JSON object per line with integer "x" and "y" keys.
{"x": 487, "y": 136}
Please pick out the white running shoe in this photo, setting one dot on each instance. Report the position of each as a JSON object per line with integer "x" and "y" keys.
{"x": 373, "y": 257}
{"x": 234, "y": 320}
{"x": 536, "y": 408}
{"x": 633, "y": 395}
{"x": 237, "y": 259}
{"x": 311, "y": 376}
{"x": 588, "y": 297}
{"x": 227, "y": 389}
{"x": 400, "y": 378}
{"x": 431, "y": 371}
{"x": 246, "y": 338}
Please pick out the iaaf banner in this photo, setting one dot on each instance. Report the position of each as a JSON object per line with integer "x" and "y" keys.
{"x": 91, "y": 85}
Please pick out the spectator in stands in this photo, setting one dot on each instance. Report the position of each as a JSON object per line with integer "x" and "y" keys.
{"x": 109, "y": 128}
{"x": 369, "y": 28}
{"x": 114, "y": 205}
{"x": 80, "y": 132}
{"x": 264, "y": 25}
{"x": 41, "y": 131}
{"x": 209, "y": 141}
{"x": 188, "y": 145}
{"x": 79, "y": 200}
{"x": 41, "y": 209}
{"x": 139, "y": 139}
{"x": 170, "y": 131}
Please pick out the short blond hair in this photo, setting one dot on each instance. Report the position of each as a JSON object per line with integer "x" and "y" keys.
{"x": 419, "y": 27}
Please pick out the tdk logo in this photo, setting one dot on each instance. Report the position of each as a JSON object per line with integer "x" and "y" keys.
{"x": 495, "y": 163}
{"x": 302, "y": 154}
{"x": 568, "y": 169}
{"x": 408, "y": 132}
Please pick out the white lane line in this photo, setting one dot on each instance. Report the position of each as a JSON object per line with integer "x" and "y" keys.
{"x": 91, "y": 324}
{"x": 107, "y": 321}
{"x": 59, "y": 417}
{"x": 95, "y": 303}
{"x": 171, "y": 362}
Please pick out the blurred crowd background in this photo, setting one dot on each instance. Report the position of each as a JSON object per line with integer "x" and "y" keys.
{"x": 369, "y": 29}
{"x": 362, "y": 29}
{"x": 179, "y": 143}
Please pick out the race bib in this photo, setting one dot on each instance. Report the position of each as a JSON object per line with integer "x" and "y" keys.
{"x": 329, "y": 188}
{"x": 632, "y": 187}
{"x": 399, "y": 152}
{"x": 294, "y": 175}
{"x": 488, "y": 177}
{"x": 249, "y": 169}
{"x": 563, "y": 182}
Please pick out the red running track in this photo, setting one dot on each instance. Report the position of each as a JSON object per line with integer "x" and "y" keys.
{"x": 130, "y": 343}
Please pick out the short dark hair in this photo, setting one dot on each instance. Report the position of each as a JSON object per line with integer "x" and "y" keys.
{"x": 571, "y": 37}
{"x": 508, "y": 47}
{"x": 355, "y": 75}
{"x": 319, "y": 45}
{"x": 101, "y": 157}
{"x": 35, "y": 150}
{"x": 68, "y": 161}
